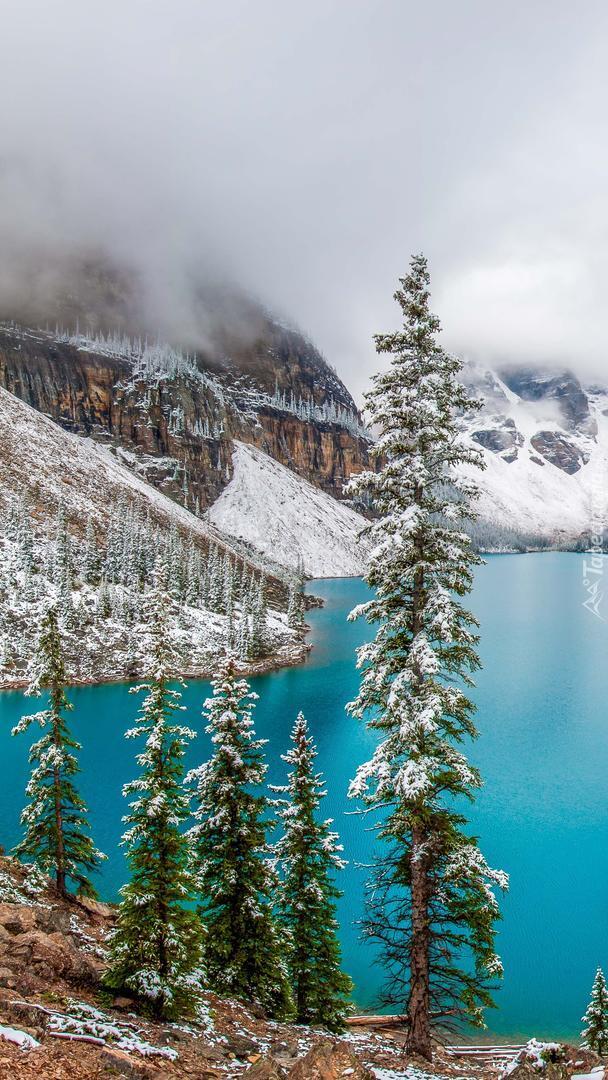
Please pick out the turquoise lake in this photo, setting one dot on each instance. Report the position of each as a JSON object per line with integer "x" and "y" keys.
{"x": 542, "y": 699}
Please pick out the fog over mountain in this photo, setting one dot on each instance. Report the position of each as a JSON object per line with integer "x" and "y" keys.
{"x": 303, "y": 152}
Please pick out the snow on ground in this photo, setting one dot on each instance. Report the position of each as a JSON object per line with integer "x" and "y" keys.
{"x": 280, "y": 514}
{"x": 530, "y": 495}
{"x": 47, "y": 465}
{"x": 20, "y": 1038}
{"x": 540, "y": 501}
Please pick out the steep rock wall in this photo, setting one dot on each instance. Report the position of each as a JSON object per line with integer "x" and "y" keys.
{"x": 157, "y": 427}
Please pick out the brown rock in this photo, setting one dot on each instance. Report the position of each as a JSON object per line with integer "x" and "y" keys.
{"x": 118, "y": 1063}
{"x": 330, "y": 1060}
{"x": 106, "y": 911}
{"x": 125, "y": 1004}
{"x": 266, "y": 1069}
{"x": 552, "y": 1071}
{"x": 579, "y": 1060}
{"x": 19, "y": 1013}
{"x": 17, "y": 919}
{"x": 241, "y": 1046}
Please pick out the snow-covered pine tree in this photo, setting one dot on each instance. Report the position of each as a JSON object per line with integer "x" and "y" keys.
{"x": 215, "y": 580}
{"x": 91, "y": 562}
{"x": 243, "y": 955}
{"x": 257, "y": 644}
{"x": 432, "y": 905}
{"x": 308, "y": 856}
{"x": 243, "y": 636}
{"x": 155, "y": 948}
{"x": 594, "y": 1035}
{"x": 295, "y": 607}
{"x": 56, "y": 828}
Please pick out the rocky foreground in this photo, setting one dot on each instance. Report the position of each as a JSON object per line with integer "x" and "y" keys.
{"x": 57, "y": 1023}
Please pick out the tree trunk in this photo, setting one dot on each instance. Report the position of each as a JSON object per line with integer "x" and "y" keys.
{"x": 419, "y": 1030}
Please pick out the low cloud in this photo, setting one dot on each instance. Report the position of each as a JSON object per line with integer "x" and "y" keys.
{"x": 303, "y": 153}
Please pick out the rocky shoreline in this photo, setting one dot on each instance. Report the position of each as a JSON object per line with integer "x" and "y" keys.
{"x": 289, "y": 655}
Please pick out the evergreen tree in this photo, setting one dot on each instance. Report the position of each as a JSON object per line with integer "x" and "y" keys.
{"x": 295, "y": 607}
{"x": 90, "y": 557}
{"x": 155, "y": 948}
{"x": 56, "y": 828}
{"x": 595, "y": 1033}
{"x": 243, "y": 956}
{"x": 257, "y": 643}
{"x": 243, "y": 637}
{"x": 308, "y": 855}
{"x": 432, "y": 905}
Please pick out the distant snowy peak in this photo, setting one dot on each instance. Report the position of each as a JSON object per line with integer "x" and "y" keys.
{"x": 276, "y": 512}
{"x": 544, "y": 437}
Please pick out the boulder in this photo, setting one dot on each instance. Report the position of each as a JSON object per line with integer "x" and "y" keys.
{"x": 22, "y": 1013}
{"x": 241, "y": 1046}
{"x": 266, "y": 1069}
{"x": 125, "y": 1004}
{"x": 106, "y": 911}
{"x": 37, "y": 947}
{"x": 330, "y": 1060}
{"x": 118, "y": 1063}
{"x": 579, "y": 1060}
{"x": 16, "y": 919}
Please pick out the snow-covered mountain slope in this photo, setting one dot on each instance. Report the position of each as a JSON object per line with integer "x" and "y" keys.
{"x": 46, "y": 466}
{"x": 80, "y": 530}
{"x": 544, "y": 438}
{"x": 277, "y": 512}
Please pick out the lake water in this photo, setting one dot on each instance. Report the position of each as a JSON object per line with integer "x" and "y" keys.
{"x": 542, "y": 701}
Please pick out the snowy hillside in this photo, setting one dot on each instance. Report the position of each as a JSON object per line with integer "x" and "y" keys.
{"x": 280, "y": 514}
{"x": 545, "y": 443}
{"x": 79, "y": 530}
{"x": 45, "y": 465}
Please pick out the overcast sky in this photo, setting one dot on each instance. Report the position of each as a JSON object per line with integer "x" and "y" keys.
{"x": 306, "y": 149}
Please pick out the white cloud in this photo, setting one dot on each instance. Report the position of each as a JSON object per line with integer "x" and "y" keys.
{"x": 306, "y": 151}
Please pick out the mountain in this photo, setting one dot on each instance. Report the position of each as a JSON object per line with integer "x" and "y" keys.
{"x": 86, "y": 532}
{"x": 176, "y": 391}
{"x": 544, "y": 438}
{"x": 176, "y": 408}
{"x": 273, "y": 511}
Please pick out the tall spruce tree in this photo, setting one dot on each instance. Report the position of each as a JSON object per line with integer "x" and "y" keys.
{"x": 155, "y": 949}
{"x": 56, "y": 828}
{"x": 432, "y": 905}
{"x": 308, "y": 856}
{"x": 242, "y": 953}
{"x": 594, "y": 1035}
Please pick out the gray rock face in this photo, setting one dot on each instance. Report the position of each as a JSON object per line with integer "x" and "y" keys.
{"x": 503, "y": 439}
{"x": 559, "y": 450}
{"x": 562, "y": 387}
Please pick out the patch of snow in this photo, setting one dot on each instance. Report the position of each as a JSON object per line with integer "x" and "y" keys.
{"x": 280, "y": 514}
{"x": 20, "y": 1038}
{"x": 85, "y": 1020}
{"x": 410, "y": 1073}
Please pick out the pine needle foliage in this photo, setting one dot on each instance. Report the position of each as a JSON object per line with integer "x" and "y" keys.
{"x": 57, "y": 833}
{"x": 308, "y": 855}
{"x": 432, "y": 905}
{"x": 594, "y": 1035}
{"x": 155, "y": 949}
{"x": 243, "y": 956}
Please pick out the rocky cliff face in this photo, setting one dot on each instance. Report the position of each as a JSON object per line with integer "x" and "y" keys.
{"x": 173, "y": 417}
{"x": 544, "y": 437}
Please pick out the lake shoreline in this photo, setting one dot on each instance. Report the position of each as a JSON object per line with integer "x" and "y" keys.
{"x": 287, "y": 656}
